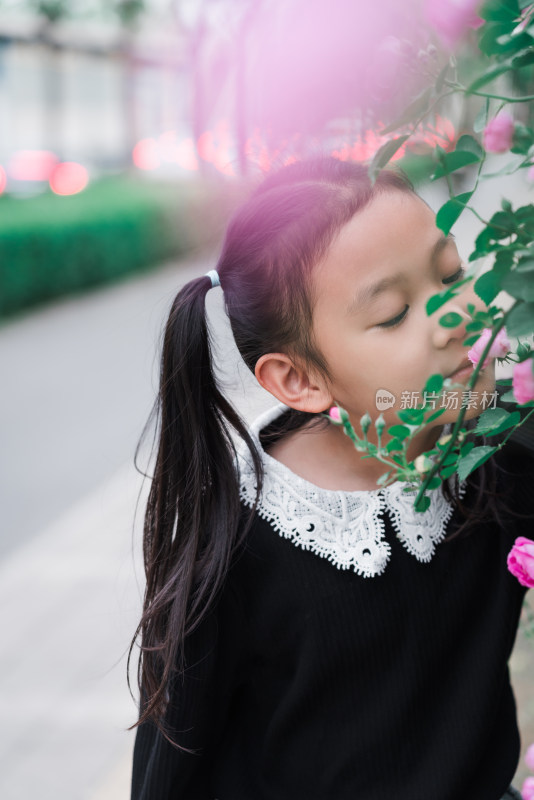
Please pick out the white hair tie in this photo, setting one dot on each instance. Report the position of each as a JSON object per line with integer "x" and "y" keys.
{"x": 213, "y": 275}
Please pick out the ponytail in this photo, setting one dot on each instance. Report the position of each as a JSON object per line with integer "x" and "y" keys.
{"x": 193, "y": 510}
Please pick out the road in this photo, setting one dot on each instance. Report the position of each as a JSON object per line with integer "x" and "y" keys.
{"x": 80, "y": 376}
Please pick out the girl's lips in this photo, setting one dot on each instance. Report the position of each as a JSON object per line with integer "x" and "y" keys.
{"x": 461, "y": 373}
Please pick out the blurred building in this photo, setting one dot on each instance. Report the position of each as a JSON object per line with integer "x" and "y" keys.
{"x": 88, "y": 92}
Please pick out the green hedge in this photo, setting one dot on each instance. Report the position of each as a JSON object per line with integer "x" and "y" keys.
{"x": 51, "y": 245}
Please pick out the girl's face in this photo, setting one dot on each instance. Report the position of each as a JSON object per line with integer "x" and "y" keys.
{"x": 369, "y": 317}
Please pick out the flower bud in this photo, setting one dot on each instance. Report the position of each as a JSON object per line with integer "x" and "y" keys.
{"x": 365, "y": 422}
{"x": 380, "y": 424}
{"x": 422, "y": 464}
{"x": 445, "y": 439}
{"x": 334, "y": 415}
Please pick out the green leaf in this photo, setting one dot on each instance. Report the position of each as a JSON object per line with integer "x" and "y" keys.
{"x": 446, "y": 472}
{"x": 523, "y": 60}
{"x": 526, "y": 265}
{"x": 434, "y": 483}
{"x": 394, "y": 444}
{"x": 400, "y": 431}
{"x": 451, "y": 210}
{"x": 469, "y": 144}
{"x": 494, "y": 420}
{"x": 475, "y": 458}
{"x": 519, "y": 285}
{"x": 475, "y": 325}
{"x": 520, "y": 321}
{"x": 523, "y": 138}
{"x": 383, "y": 155}
{"x": 471, "y": 340}
{"x": 450, "y": 320}
{"x": 500, "y": 10}
{"x": 466, "y": 448}
{"x": 435, "y": 414}
{"x": 437, "y": 300}
{"x": 383, "y": 478}
{"x": 434, "y": 383}
{"x": 454, "y": 161}
{"x": 423, "y": 503}
{"x": 452, "y": 458}
{"x": 488, "y": 285}
{"x": 481, "y": 119}
{"x": 413, "y": 416}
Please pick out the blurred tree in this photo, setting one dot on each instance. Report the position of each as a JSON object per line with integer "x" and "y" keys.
{"x": 129, "y": 13}
{"x": 51, "y": 12}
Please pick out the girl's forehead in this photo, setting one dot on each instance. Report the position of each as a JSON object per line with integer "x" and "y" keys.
{"x": 393, "y": 226}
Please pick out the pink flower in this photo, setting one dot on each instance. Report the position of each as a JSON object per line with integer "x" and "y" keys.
{"x": 499, "y": 133}
{"x": 526, "y": 18}
{"x": 499, "y": 348}
{"x": 334, "y": 415}
{"x": 527, "y": 790}
{"x": 530, "y": 173}
{"x": 451, "y": 18}
{"x": 529, "y": 757}
{"x": 520, "y": 561}
{"x": 523, "y": 381}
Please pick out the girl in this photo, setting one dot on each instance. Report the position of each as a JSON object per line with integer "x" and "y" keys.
{"x": 305, "y": 633}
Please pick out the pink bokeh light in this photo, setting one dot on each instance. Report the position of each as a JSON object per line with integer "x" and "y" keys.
{"x": 32, "y": 165}
{"x": 69, "y": 178}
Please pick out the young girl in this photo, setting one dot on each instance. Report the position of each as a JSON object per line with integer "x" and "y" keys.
{"x": 306, "y": 634}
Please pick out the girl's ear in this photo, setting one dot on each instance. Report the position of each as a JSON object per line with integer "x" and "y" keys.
{"x": 294, "y": 386}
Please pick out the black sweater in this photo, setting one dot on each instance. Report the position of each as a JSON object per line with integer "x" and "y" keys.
{"x": 310, "y": 682}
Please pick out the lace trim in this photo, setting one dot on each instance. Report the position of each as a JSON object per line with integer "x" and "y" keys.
{"x": 344, "y": 527}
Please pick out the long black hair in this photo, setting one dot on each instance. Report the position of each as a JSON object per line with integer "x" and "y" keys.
{"x": 192, "y": 522}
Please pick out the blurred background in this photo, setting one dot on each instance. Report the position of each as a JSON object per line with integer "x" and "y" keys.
{"x": 129, "y": 132}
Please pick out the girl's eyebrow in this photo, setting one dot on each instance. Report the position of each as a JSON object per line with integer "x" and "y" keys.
{"x": 368, "y": 293}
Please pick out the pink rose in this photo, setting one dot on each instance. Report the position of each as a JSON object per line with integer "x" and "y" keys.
{"x": 523, "y": 381}
{"x": 529, "y": 757}
{"x": 451, "y": 18}
{"x": 499, "y": 348}
{"x": 499, "y": 133}
{"x": 527, "y": 790}
{"x": 334, "y": 415}
{"x": 520, "y": 561}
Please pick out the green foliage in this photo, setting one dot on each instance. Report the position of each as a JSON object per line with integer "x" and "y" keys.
{"x": 520, "y": 320}
{"x": 51, "y": 246}
{"x": 473, "y": 459}
{"x": 451, "y": 210}
{"x": 451, "y": 320}
{"x": 495, "y": 420}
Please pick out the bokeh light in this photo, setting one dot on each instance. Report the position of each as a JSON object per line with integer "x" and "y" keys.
{"x": 69, "y": 178}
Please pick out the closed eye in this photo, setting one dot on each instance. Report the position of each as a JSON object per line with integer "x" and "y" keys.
{"x": 392, "y": 323}
{"x": 456, "y": 277}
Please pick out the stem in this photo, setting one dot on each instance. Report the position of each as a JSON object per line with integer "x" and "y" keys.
{"x": 459, "y": 88}
{"x": 457, "y": 425}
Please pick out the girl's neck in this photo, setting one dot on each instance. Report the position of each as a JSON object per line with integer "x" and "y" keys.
{"x": 327, "y": 458}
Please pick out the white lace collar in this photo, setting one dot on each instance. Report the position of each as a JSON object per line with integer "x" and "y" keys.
{"x": 344, "y": 527}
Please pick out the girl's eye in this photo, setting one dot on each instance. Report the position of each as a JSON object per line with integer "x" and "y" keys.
{"x": 456, "y": 277}
{"x": 392, "y": 323}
